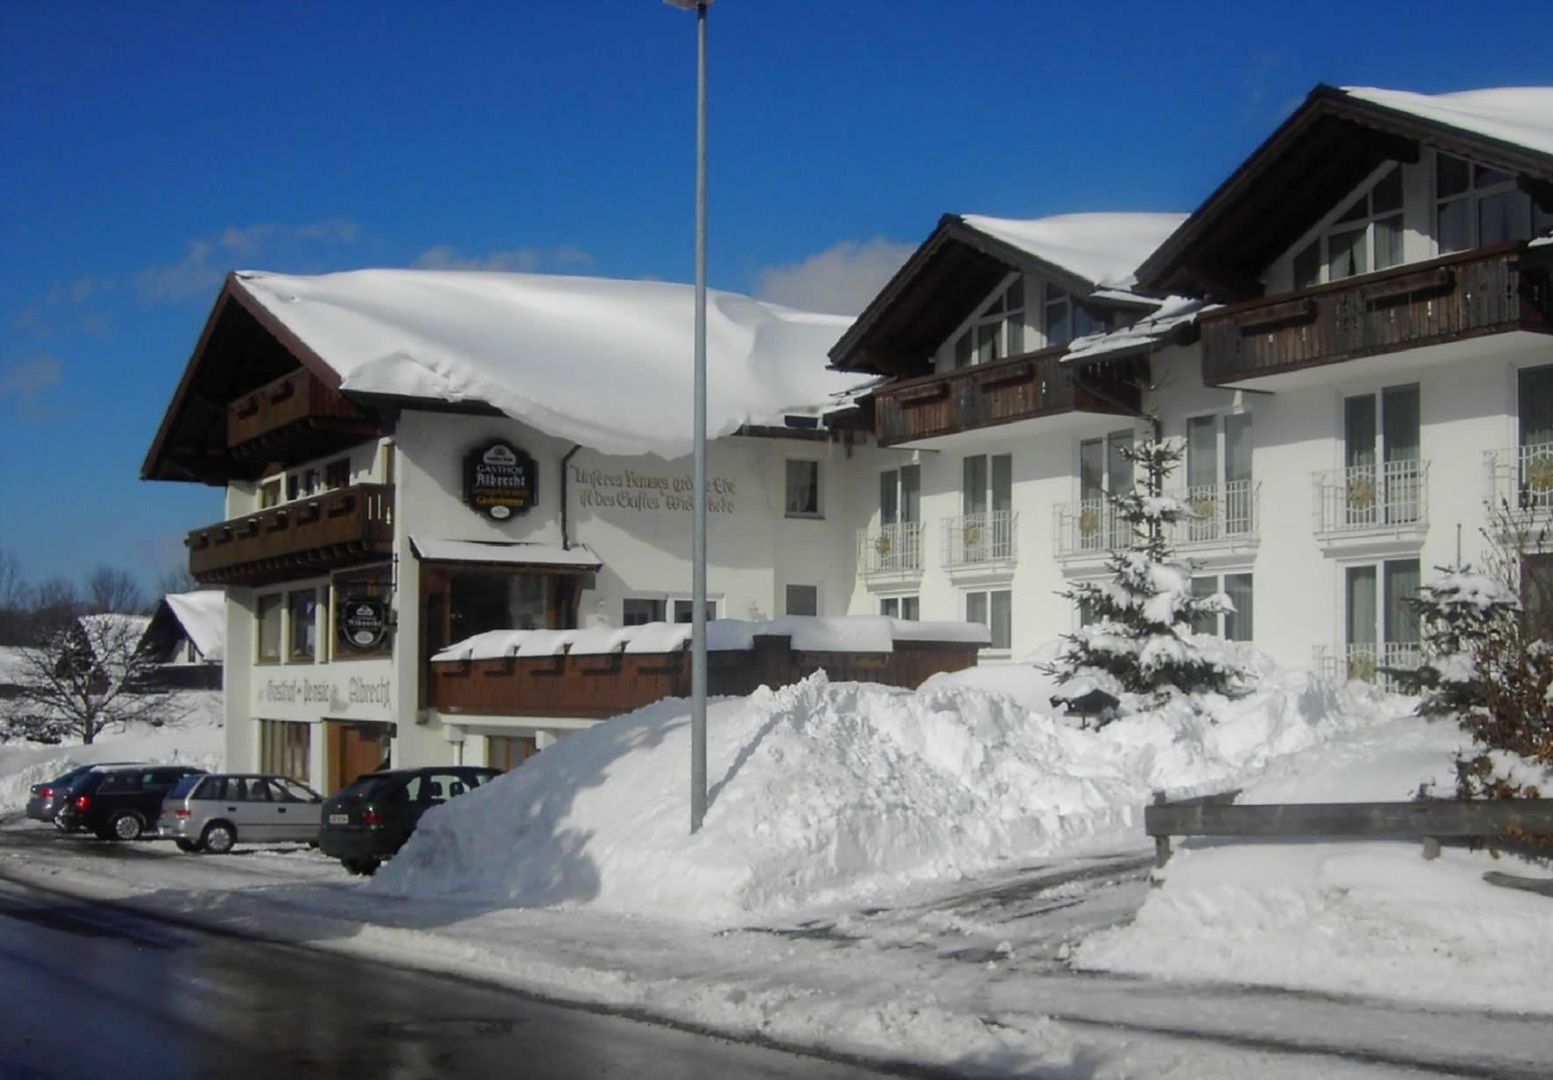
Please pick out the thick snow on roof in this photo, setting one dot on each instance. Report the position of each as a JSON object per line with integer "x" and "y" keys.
{"x": 202, "y": 614}
{"x": 1522, "y": 115}
{"x": 604, "y": 363}
{"x": 1103, "y": 249}
{"x": 480, "y": 551}
{"x": 1172, "y": 313}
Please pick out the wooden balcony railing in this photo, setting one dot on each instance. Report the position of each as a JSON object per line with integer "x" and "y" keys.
{"x": 338, "y": 528}
{"x": 1464, "y": 295}
{"x": 1018, "y": 388}
{"x": 291, "y": 419}
{"x": 594, "y": 686}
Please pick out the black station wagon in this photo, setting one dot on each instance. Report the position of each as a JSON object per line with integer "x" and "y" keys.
{"x": 371, "y": 819}
{"x": 120, "y": 802}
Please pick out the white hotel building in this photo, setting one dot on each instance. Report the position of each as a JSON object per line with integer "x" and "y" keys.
{"x": 1353, "y": 335}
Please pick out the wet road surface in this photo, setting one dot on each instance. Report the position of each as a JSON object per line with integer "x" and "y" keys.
{"x": 93, "y": 990}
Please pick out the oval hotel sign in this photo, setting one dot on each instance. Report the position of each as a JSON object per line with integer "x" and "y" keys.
{"x": 500, "y": 480}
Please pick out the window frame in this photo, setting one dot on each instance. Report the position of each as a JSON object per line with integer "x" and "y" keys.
{"x": 1473, "y": 195}
{"x": 818, "y": 503}
{"x": 293, "y": 656}
{"x": 787, "y": 598}
{"x": 1010, "y": 325}
{"x": 907, "y": 607}
{"x": 987, "y": 597}
{"x": 262, "y": 605}
{"x": 1337, "y": 223}
{"x": 656, "y": 609}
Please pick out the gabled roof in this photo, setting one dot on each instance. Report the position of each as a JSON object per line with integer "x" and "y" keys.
{"x": 201, "y": 615}
{"x": 967, "y": 255}
{"x": 1325, "y": 149}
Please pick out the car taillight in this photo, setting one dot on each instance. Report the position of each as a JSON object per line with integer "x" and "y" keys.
{"x": 83, "y": 803}
{"x": 370, "y": 818}
{"x": 183, "y": 812}
{"x": 47, "y": 793}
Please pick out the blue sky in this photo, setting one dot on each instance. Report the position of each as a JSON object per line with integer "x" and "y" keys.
{"x": 150, "y": 147}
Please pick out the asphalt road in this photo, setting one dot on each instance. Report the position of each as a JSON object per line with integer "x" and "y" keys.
{"x": 92, "y": 990}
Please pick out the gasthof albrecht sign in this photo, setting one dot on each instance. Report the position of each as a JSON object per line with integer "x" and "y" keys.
{"x": 500, "y": 480}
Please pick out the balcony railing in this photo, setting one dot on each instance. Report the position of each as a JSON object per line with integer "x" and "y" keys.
{"x": 891, "y": 549}
{"x": 292, "y": 419}
{"x": 980, "y": 539}
{"x": 1463, "y": 295}
{"x": 1372, "y": 662}
{"x": 1520, "y": 479}
{"x": 1019, "y": 388}
{"x": 338, "y": 528}
{"x": 1090, "y": 527}
{"x": 1393, "y": 495}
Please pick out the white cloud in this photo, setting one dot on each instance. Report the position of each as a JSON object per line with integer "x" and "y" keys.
{"x": 207, "y": 259}
{"x": 23, "y": 383}
{"x": 525, "y": 259}
{"x": 841, "y": 280}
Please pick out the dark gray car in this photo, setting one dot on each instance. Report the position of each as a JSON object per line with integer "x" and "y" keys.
{"x": 211, "y": 813}
{"x": 45, "y": 800}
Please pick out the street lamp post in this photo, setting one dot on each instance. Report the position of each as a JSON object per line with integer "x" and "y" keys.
{"x": 698, "y": 497}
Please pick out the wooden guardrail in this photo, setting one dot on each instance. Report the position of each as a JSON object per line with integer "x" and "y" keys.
{"x": 1429, "y": 820}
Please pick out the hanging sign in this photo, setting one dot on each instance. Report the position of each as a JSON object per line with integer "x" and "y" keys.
{"x": 363, "y": 623}
{"x": 500, "y": 480}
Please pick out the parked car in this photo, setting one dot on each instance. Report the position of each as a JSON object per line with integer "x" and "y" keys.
{"x": 214, "y": 811}
{"x": 47, "y": 797}
{"x": 120, "y": 802}
{"x": 371, "y": 819}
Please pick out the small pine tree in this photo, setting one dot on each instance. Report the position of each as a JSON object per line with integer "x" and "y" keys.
{"x": 1458, "y": 613}
{"x": 1140, "y": 637}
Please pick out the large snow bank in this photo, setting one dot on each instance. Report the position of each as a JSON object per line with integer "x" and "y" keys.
{"x": 1103, "y": 249}
{"x": 825, "y": 792}
{"x": 195, "y": 739}
{"x": 1522, "y": 115}
{"x": 594, "y": 361}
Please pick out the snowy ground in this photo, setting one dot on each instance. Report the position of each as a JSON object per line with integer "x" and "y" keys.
{"x": 913, "y": 877}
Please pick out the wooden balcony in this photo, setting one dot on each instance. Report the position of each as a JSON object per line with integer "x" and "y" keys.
{"x": 1019, "y": 388}
{"x": 293, "y": 418}
{"x": 595, "y": 686}
{"x": 338, "y": 528}
{"x": 1469, "y": 294}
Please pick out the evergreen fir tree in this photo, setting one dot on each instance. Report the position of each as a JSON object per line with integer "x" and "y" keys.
{"x": 1139, "y": 638}
{"x": 1458, "y": 614}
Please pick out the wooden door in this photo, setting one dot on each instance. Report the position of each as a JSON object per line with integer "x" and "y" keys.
{"x": 353, "y": 749}
{"x": 507, "y": 752}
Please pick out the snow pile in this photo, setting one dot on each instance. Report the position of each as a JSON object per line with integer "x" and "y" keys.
{"x": 196, "y": 739}
{"x": 542, "y": 347}
{"x": 1103, "y": 249}
{"x": 824, "y": 792}
{"x": 1522, "y": 115}
{"x": 202, "y": 614}
{"x": 1145, "y": 333}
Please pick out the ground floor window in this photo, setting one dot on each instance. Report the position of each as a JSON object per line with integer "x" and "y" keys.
{"x": 1231, "y": 625}
{"x": 803, "y": 600}
{"x": 685, "y": 610}
{"x": 635, "y": 611}
{"x": 507, "y": 752}
{"x": 901, "y": 607}
{"x": 286, "y": 747}
{"x": 994, "y": 610}
{"x": 1537, "y": 596}
{"x": 1380, "y": 626}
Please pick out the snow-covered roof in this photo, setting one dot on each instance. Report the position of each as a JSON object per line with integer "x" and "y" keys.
{"x": 1175, "y": 311}
{"x": 202, "y": 614}
{"x": 12, "y": 664}
{"x": 846, "y": 633}
{"x": 104, "y": 625}
{"x": 515, "y": 554}
{"x": 1521, "y": 115}
{"x": 600, "y": 362}
{"x": 1103, "y": 249}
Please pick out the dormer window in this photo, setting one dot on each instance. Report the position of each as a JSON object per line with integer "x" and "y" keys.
{"x": 1476, "y": 206}
{"x": 1066, "y": 318}
{"x": 997, "y": 330}
{"x": 1366, "y": 236}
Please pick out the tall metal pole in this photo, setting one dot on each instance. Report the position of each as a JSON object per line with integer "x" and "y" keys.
{"x": 698, "y": 538}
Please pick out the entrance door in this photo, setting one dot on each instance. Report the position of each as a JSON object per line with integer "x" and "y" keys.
{"x": 353, "y": 749}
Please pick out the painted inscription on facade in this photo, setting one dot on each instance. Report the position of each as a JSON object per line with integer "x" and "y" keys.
{"x": 647, "y": 492}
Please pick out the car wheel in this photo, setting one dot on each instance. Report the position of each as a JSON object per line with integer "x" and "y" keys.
{"x": 218, "y": 838}
{"x": 125, "y": 825}
{"x": 365, "y": 867}
{"x": 190, "y": 846}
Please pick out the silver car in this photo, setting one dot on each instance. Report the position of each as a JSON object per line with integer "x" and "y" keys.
{"x": 213, "y": 812}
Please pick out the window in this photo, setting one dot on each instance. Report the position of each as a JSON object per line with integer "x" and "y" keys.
{"x": 1230, "y": 625}
{"x": 302, "y": 609}
{"x": 507, "y": 752}
{"x": 803, "y": 488}
{"x": 685, "y": 610}
{"x": 269, "y": 618}
{"x": 1383, "y": 473}
{"x": 1102, "y": 469}
{"x": 638, "y": 612}
{"x": 803, "y": 599}
{"x": 1476, "y": 206}
{"x": 1066, "y": 318}
{"x": 985, "y": 531}
{"x": 285, "y": 748}
{"x": 269, "y": 493}
{"x": 1218, "y": 475}
{"x": 1381, "y": 628}
{"x": 898, "y": 544}
{"x": 1366, "y": 236}
{"x": 996, "y": 330}
{"x": 994, "y": 610}
{"x": 901, "y": 607}
{"x": 337, "y": 474}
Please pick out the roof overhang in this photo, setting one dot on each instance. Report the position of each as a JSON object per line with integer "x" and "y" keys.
{"x": 543, "y": 558}
{"x": 1320, "y": 153}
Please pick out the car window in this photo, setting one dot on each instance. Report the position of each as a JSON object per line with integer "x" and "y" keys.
{"x": 166, "y": 777}
{"x": 368, "y": 785}
{"x": 112, "y": 782}
{"x": 259, "y": 790}
{"x": 409, "y": 791}
{"x": 185, "y": 786}
{"x": 292, "y": 791}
